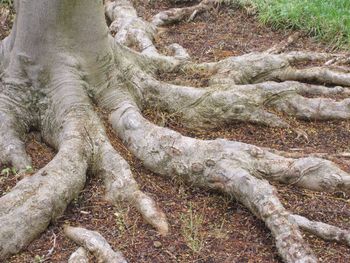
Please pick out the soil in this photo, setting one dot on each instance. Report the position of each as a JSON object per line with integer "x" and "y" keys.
{"x": 222, "y": 229}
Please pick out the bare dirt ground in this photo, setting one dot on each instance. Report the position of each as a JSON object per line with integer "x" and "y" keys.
{"x": 205, "y": 227}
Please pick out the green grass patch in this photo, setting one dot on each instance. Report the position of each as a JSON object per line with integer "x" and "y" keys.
{"x": 327, "y": 19}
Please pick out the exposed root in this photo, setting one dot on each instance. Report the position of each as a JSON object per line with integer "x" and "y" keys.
{"x": 79, "y": 256}
{"x": 222, "y": 104}
{"x": 174, "y": 155}
{"x": 13, "y": 126}
{"x": 132, "y": 31}
{"x": 297, "y": 154}
{"x": 281, "y": 47}
{"x": 233, "y": 168}
{"x": 338, "y": 61}
{"x": 316, "y": 75}
{"x": 28, "y": 209}
{"x": 257, "y": 67}
{"x": 37, "y": 200}
{"x": 5, "y": 50}
{"x": 121, "y": 186}
{"x": 59, "y": 89}
{"x": 70, "y": 125}
{"x": 322, "y": 230}
{"x": 175, "y": 15}
{"x": 311, "y": 173}
{"x": 95, "y": 243}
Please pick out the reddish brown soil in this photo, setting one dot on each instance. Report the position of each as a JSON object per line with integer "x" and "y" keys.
{"x": 6, "y": 17}
{"x": 229, "y": 232}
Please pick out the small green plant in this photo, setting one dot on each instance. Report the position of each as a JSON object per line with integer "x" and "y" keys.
{"x": 8, "y": 171}
{"x": 120, "y": 221}
{"x": 191, "y": 230}
{"x": 29, "y": 169}
{"x": 13, "y": 171}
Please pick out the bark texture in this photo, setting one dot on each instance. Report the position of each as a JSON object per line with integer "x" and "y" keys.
{"x": 95, "y": 243}
{"x": 79, "y": 256}
{"x": 58, "y": 64}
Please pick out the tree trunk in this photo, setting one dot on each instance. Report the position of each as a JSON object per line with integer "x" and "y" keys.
{"x": 60, "y": 62}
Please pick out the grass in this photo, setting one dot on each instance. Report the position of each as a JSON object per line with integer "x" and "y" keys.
{"x": 328, "y": 20}
{"x": 191, "y": 230}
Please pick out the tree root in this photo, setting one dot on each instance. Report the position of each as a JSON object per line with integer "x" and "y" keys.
{"x": 121, "y": 186}
{"x": 79, "y": 256}
{"x": 322, "y": 230}
{"x": 61, "y": 104}
{"x": 175, "y": 15}
{"x": 14, "y": 124}
{"x": 35, "y": 201}
{"x": 316, "y": 75}
{"x": 281, "y": 47}
{"x": 233, "y": 168}
{"x": 95, "y": 243}
{"x": 82, "y": 145}
{"x": 132, "y": 30}
{"x": 218, "y": 105}
{"x": 5, "y": 49}
{"x": 311, "y": 173}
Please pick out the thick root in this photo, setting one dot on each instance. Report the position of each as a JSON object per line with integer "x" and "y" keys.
{"x": 5, "y": 50}
{"x": 12, "y": 148}
{"x": 95, "y": 243}
{"x": 61, "y": 93}
{"x": 37, "y": 200}
{"x": 132, "y": 31}
{"x": 13, "y": 126}
{"x": 121, "y": 186}
{"x": 233, "y": 168}
{"x": 316, "y": 75}
{"x": 79, "y": 256}
{"x": 209, "y": 170}
{"x": 69, "y": 124}
{"x": 175, "y": 15}
{"x": 257, "y": 67}
{"x": 223, "y": 104}
{"x": 311, "y": 173}
{"x": 322, "y": 230}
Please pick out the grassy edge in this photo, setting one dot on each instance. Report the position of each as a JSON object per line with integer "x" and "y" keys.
{"x": 328, "y": 21}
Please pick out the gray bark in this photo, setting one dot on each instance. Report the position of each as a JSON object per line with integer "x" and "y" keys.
{"x": 95, "y": 243}
{"x": 79, "y": 256}
{"x": 57, "y": 64}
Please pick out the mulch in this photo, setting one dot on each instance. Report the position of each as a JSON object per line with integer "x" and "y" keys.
{"x": 227, "y": 231}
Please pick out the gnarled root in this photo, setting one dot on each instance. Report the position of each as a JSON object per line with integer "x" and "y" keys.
{"x": 37, "y": 200}
{"x": 14, "y": 124}
{"x": 95, "y": 243}
{"x": 132, "y": 31}
{"x": 62, "y": 89}
{"x": 322, "y": 230}
{"x": 82, "y": 144}
{"x": 233, "y": 168}
{"x": 121, "y": 186}
{"x": 79, "y": 256}
{"x": 174, "y": 15}
{"x": 226, "y": 103}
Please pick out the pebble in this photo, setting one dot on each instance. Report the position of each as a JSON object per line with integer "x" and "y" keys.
{"x": 157, "y": 244}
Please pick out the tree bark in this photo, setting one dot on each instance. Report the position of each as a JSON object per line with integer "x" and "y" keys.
{"x": 60, "y": 62}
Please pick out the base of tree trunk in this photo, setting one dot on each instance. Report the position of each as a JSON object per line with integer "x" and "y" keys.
{"x": 57, "y": 66}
